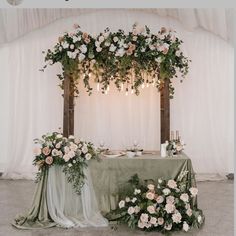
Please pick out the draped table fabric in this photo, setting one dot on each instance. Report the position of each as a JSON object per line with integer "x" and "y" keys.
{"x": 56, "y": 204}
{"x": 111, "y": 174}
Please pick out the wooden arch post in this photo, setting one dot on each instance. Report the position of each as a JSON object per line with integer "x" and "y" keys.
{"x": 165, "y": 111}
{"x": 68, "y": 113}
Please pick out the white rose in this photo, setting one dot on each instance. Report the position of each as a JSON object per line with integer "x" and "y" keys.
{"x": 169, "y": 208}
{"x": 184, "y": 197}
{"x": 84, "y": 149}
{"x": 159, "y": 199}
{"x": 193, "y": 191}
{"x": 101, "y": 39}
{"x": 127, "y": 199}
{"x": 74, "y": 161}
{"x": 143, "y": 49}
{"x": 83, "y": 48}
{"x": 120, "y": 52}
{"x": 58, "y": 145}
{"x": 65, "y": 45}
{"x": 199, "y": 219}
{"x": 59, "y": 136}
{"x": 137, "y": 191}
{"x": 66, "y": 157}
{"x": 81, "y": 57}
{"x": 97, "y": 44}
{"x": 166, "y": 191}
{"x": 176, "y": 218}
{"x": 121, "y": 204}
{"x": 98, "y": 49}
{"x": 54, "y": 152}
{"x": 59, "y": 153}
{"x": 178, "y": 53}
{"x": 88, "y": 156}
{"x": 168, "y": 226}
{"x": 134, "y": 200}
{"x": 170, "y": 199}
{"x": 131, "y": 210}
{"x": 72, "y": 46}
{"x": 135, "y": 38}
{"x": 185, "y": 226}
{"x": 69, "y": 164}
{"x": 160, "y": 221}
{"x": 74, "y": 39}
{"x": 107, "y": 44}
{"x": 150, "y": 195}
{"x": 66, "y": 149}
{"x": 153, "y": 220}
{"x": 71, "y": 154}
{"x": 151, "y": 187}
{"x": 171, "y": 184}
{"x": 144, "y": 217}
{"x": 141, "y": 224}
{"x": 136, "y": 209}
{"x": 115, "y": 39}
{"x": 112, "y": 48}
{"x": 151, "y": 209}
{"x": 60, "y": 48}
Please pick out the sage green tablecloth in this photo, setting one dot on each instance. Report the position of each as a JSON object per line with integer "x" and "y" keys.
{"x": 111, "y": 174}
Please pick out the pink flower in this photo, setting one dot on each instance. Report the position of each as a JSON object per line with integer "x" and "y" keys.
{"x": 150, "y": 195}
{"x": 169, "y": 208}
{"x": 141, "y": 224}
{"x": 37, "y": 151}
{"x": 151, "y": 187}
{"x": 171, "y": 183}
{"x": 49, "y": 160}
{"x": 170, "y": 199}
{"x": 184, "y": 197}
{"x": 160, "y": 221}
{"x": 176, "y": 218}
{"x": 193, "y": 191}
{"x": 159, "y": 199}
{"x": 144, "y": 217}
{"x": 151, "y": 209}
{"x": 46, "y": 151}
{"x": 153, "y": 220}
{"x": 131, "y": 210}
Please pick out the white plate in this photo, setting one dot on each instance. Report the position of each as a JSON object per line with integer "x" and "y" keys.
{"x": 113, "y": 155}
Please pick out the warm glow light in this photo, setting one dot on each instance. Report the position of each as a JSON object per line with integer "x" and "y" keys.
{"x": 143, "y": 86}
{"x": 122, "y": 87}
{"x": 126, "y": 93}
{"x": 108, "y": 88}
{"x": 147, "y": 85}
{"x": 132, "y": 91}
{"x": 106, "y": 92}
{"x": 98, "y": 86}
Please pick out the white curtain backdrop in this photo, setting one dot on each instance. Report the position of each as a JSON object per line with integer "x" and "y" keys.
{"x": 202, "y": 108}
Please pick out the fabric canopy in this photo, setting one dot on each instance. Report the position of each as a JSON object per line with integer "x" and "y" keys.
{"x": 14, "y": 23}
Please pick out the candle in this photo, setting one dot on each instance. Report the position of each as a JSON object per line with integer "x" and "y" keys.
{"x": 172, "y": 135}
{"x": 177, "y": 135}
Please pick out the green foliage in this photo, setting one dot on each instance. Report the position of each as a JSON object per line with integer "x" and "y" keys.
{"x": 130, "y": 59}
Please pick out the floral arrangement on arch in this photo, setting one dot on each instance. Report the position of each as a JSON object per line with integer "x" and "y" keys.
{"x": 164, "y": 206}
{"x": 130, "y": 60}
{"x": 72, "y": 154}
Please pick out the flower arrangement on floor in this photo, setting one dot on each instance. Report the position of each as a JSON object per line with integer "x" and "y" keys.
{"x": 131, "y": 60}
{"x": 166, "y": 206}
{"x": 72, "y": 154}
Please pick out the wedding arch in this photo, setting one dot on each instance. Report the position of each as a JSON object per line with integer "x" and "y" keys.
{"x": 129, "y": 60}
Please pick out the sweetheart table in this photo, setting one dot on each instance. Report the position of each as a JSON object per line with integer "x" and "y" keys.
{"x": 111, "y": 174}
{"x": 55, "y": 202}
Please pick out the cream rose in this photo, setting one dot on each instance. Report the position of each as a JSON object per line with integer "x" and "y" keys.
{"x": 137, "y": 191}
{"x": 153, "y": 220}
{"x": 151, "y": 187}
{"x": 184, "y": 197}
{"x": 189, "y": 212}
{"x": 193, "y": 191}
{"x": 121, "y": 204}
{"x": 141, "y": 224}
{"x": 166, "y": 191}
{"x": 169, "y": 208}
{"x": 131, "y": 210}
{"x": 171, "y": 184}
{"x": 168, "y": 226}
{"x": 54, "y": 152}
{"x": 88, "y": 156}
{"x": 151, "y": 209}
{"x": 127, "y": 199}
{"x": 134, "y": 200}
{"x": 144, "y": 217}
{"x": 185, "y": 226}
{"x": 136, "y": 209}
{"x": 66, "y": 158}
{"x": 84, "y": 149}
{"x": 170, "y": 199}
{"x": 176, "y": 218}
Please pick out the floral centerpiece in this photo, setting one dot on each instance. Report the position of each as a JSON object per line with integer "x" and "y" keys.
{"x": 174, "y": 146}
{"x": 72, "y": 154}
{"x": 164, "y": 206}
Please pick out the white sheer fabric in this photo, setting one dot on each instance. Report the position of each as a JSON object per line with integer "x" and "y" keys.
{"x": 69, "y": 209}
{"x": 202, "y": 108}
{"x": 16, "y": 22}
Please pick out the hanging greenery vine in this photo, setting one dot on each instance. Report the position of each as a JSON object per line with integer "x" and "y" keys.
{"x": 130, "y": 60}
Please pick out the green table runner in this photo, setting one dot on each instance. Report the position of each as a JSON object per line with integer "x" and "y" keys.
{"x": 111, "y": 174}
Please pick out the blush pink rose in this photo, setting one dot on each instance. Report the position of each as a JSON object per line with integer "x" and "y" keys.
{"x": 46, "y": 151}
{"x": 49, "y": 160}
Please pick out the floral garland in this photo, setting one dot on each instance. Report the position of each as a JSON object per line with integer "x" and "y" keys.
{"x": 164, "y": 207}
{"x": 54, "y": 149}
{"x": 130, "y": 60}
